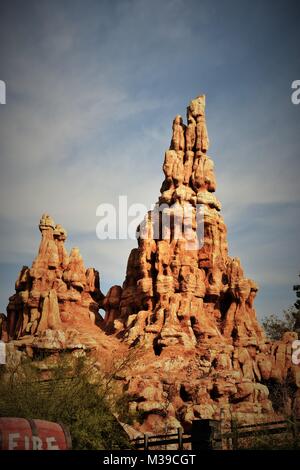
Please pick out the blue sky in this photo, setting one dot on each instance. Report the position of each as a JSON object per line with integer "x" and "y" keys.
{"x": 92, "y": 88}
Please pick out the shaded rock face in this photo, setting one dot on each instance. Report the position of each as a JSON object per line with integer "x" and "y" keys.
{"x": 56, "y": 290}
{"x": 3, "y": 328}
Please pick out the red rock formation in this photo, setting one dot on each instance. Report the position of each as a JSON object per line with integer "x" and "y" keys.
{"x": 185, "y": 304}
{"x": 57, "y": 292}
{"x": 174, "y": 294}
{"x": 190, "y": 306}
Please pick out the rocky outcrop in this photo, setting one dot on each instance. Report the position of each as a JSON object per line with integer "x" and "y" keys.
{"x": 188, "y": 304}
{"x": 183, "y": 290}
{"x": 185, "y": 306}
{"x": 174, "y": 294}
{"x": 56, "y": 292}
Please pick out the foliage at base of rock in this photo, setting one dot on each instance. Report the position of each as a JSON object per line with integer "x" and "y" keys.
{"x": 75, "y": 394}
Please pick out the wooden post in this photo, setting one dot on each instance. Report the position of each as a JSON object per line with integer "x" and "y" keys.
{"x": 180, "y": 443}
{"x": 222, "y": 430}
{"x": 203, "y": 433}
{"x": 146, "y": 442}
{"x": 235, "y": 436}
{"x": 294, "y": 425}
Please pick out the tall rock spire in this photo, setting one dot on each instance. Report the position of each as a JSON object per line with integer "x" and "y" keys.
{"x": 174, "y": 294}
{"x": 184, "y": 301}
{"x": 191, "y": 308}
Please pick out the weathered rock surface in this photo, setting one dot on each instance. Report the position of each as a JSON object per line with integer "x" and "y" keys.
{"x": 56, "y": 290}
{"x": 185, "y": 305}
{"x": 57, "y": 300}
{"x": 189, "y": 304}
{"x": 174, "y": 294}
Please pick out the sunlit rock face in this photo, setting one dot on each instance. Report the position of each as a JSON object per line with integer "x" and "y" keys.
{"x": 185, "y": 313}
{"x": 183, "y": 290}
{"x": 56, "y": 293}
{"x": 190, "y": 307}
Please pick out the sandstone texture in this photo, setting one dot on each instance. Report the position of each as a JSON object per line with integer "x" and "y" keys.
{"x": 186, "y": 307}
{"x": 57, "y": 300}
{"x": 189, "y": 305}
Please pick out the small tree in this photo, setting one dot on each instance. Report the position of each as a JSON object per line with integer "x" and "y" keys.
{"x": 290, "y": 321}
{"x": 275, "y": 326}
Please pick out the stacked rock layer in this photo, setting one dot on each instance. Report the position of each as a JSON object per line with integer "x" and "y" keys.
{"x": 176, "y": 290}
{"x": 185, "y": 306}
{"x": 57, "y": 300}
{"x": 190, "y": 306}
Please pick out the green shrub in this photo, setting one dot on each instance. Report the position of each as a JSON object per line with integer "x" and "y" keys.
{"x": 76, "y": 395}
{"x": 275, "y": 326}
